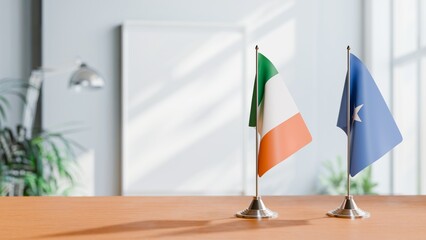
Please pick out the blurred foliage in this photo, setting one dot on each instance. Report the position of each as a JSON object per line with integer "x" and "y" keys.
{"x": 14, "y": 88}
{"x": 333, "y": 181}
{"x": 33, "y": 166}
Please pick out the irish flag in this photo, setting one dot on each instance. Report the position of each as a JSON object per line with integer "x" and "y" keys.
{"x": 280, "y": 125}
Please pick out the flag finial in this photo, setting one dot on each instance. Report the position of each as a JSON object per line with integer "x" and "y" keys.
{"x": 257, "y": 47}
{"x": 349, "y": 48}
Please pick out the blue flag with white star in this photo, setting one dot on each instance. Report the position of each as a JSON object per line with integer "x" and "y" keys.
{"x": 373, "y": 129}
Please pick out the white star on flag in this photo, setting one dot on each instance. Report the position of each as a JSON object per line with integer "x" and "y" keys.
{"x": 356, "y": 111}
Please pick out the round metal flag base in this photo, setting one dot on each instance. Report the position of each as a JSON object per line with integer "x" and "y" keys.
{"x": 257, "y": 209}
{"x": 348, "y": 209}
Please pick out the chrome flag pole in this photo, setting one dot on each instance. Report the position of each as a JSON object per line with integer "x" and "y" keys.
{"x": 348, "y": 208}
{"x": 257, "y": 208}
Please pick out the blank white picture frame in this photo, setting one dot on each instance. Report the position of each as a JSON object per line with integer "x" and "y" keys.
{"x": 184, "y": 117}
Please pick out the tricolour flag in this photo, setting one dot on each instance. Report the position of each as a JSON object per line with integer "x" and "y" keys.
{"x": 280, "y": 124}
{"x": 373, "y": 129}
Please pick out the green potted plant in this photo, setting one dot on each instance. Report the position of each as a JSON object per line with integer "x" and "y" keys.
{"x": 32, "y": 166}
{"x": 333, "y": 180}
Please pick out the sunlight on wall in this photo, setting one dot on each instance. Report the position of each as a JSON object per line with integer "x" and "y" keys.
{"x": 265, "y": 13}
{"x": 208, "y": 50}
{"x": 405, "y": 107}
{"x": 284, "y": 37}
{"x": 405, "y": 33}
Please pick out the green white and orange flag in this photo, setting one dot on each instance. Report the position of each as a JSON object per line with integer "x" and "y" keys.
{"x": 281, "y": 127}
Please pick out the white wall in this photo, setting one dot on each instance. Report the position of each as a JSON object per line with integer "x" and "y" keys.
{"x": 306, "y": 39}
{"x": 395, "y": 59}
{"x": 15, "y": 47}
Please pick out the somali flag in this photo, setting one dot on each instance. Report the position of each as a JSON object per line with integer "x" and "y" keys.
{"x": 373, "y": 129}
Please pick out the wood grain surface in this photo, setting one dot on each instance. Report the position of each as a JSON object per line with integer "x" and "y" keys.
{"x": 300, "y": 217}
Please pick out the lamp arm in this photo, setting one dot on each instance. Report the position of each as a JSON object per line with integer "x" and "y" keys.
{"x": 83, "y": 76}
{"x": 31, "y": 100}
{"x": 33, "y": 93}
{"x": 49, "y": 71}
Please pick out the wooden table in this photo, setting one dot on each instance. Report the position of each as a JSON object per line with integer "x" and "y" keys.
{"x": 301, "y": 217}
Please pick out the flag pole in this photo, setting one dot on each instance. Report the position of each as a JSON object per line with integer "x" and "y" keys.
{"x": 348, "y": 122}
{"x": 257, "y": 117}
{"x": 257, "y": 208}
{"x": 348, "y": 208}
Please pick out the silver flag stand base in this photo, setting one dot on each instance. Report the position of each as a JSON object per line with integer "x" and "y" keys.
{"x": 257, "y": 209}
{"x": 348, "y": 209}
